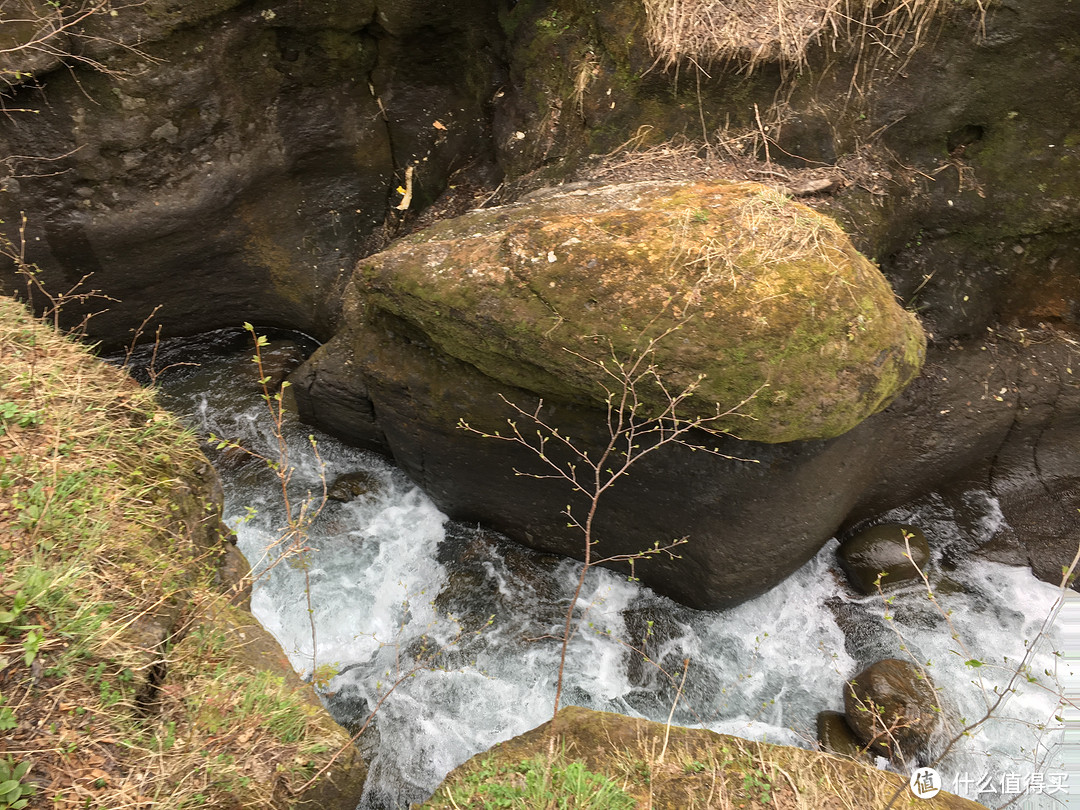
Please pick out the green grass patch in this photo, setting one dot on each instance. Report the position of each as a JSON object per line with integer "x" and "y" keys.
{"x": 110, "y": 543}
{"x": 539, "y": 782}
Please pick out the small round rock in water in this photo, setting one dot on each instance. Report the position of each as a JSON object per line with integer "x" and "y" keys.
{"x": 882, "y": 549}
{"x": 893, "y": 708}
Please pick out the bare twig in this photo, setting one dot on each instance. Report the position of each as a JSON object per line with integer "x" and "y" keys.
{"x": 671, "y": 714}
{"x": 635, "y": 429}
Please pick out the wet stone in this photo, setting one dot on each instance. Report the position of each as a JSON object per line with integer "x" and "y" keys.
{"x": 350, "y": 486}
{"x": 893, "y": 708}
{"x": 884, "y": 549}
{"x": 837, "y": 737}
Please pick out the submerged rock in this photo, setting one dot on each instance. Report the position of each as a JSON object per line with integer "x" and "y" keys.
{"x": 353, "y": 485}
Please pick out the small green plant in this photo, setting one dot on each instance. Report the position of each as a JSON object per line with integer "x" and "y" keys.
{"x": 551, "y": 24}
{"x": 167, "y": 737}
{"x": 8, "y": 720}
{"x": 540, "y": 782}
{"x": 31, "y": 645}
{"x": 758, "y": 785}
{"x": 14, "y": 629}
{"x": 14, "y": 793}
{"x": 8, "y": 617}
{"x": 12, "y": 413}
{"x": 323, "y": 674}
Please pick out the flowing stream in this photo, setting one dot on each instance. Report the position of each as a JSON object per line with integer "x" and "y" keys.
{"x": 462, "y": 624}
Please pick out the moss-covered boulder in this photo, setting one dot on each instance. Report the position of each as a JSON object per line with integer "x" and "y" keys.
{"x": 762, "y": 304}
{"x": 772, "y": 305}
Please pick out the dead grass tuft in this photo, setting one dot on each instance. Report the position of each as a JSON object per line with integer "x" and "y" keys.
{"x": 769, "y": 232}
{"x": 706, "y": 32}
{"x": 739, "y": 155}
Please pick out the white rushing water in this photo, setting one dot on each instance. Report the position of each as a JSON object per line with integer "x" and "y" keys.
{"x": 460, "y": 625}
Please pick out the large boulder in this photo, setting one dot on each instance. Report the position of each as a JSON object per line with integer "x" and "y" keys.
{"x": 774, "y": 308}
{"x": 442, "y": 326}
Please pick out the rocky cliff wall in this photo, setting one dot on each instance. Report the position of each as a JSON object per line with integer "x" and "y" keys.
{"x": 229, "y": 160}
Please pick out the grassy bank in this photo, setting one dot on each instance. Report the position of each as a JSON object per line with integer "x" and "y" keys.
{"x": 127, "y": 678}
{"x": 605, "y": 761}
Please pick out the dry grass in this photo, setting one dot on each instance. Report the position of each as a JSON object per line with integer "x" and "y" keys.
{"x": 122, "y": 679}
{"x": 738, "y": 155}
{"x": 768, "y": 232}
{"x": 707, "y": 32}
{"x": 765, "y": 233}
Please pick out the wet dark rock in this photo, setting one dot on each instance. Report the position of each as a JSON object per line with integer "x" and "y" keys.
{"x": 1036, "y": 472}
{"x": 488, "y": 574}
{"x": 26, "y": 21}
{"x": 650, "y": 634}
{"x": 837, "y": 737}
{"x": 350, "y": 709}
{"x": 997, "y": 414}
{"x": 894, "y": 552}
{"x": 861, "y": 625}
{"x": 231, "y": 458}
{"x": 350, "y": 486}
{"x": 894, "y": 710}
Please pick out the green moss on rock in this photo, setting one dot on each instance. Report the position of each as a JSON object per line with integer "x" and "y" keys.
{"x": 768, "y": 299}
